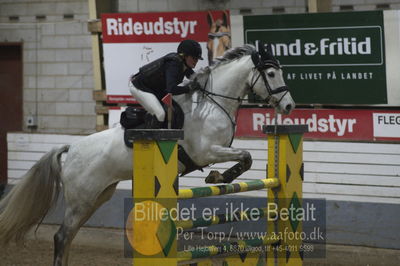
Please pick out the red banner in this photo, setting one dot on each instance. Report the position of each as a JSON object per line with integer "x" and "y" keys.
{"x": 333, "y": 124}
{"x": 157, "y": 27}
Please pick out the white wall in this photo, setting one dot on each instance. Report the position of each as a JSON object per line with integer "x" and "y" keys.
{"x": 344, "y": 171}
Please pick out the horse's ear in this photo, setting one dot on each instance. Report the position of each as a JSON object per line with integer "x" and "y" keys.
{"x": 261, "y": 50}
{"x": 266, "y": 54}
{"x": 269, "y": 50}
{"x": 258, "y": 44}
{"x": 210, "y": 19}
{"x": 255, "y": 57}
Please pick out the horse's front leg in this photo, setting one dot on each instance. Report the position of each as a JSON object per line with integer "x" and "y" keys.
{"x": 224, "y": 154}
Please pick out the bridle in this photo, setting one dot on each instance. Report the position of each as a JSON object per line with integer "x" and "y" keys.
{"x": 261, "y": 64}
{"x": 212, "y": 35}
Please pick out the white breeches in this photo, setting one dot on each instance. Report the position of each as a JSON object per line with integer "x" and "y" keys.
{"x": 149, "y": 101}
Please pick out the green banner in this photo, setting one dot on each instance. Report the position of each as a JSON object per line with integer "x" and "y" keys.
{"x": 327, "y": 58}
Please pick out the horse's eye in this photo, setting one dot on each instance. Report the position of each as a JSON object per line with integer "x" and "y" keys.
{"x": 271, "y": 74}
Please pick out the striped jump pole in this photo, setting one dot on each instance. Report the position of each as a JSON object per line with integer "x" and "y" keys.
{"x": 152, "y": 234}
{"x": 285, "y": 162}
{"x": 200, "y": 192}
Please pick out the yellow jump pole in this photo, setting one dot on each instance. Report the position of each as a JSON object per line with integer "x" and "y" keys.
{"x": 155, "y": 192}
{"x": 285, "y": 162}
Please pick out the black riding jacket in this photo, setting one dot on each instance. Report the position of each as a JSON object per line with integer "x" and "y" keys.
{"x": 163, "y": 75}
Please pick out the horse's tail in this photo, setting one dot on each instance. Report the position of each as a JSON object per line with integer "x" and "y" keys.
{"x": 29, "y": 201}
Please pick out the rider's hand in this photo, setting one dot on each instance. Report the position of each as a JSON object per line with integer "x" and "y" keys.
{"x": 194, "y": 85}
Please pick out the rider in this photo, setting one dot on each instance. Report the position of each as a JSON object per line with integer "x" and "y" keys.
{"x": 162, "y": 76}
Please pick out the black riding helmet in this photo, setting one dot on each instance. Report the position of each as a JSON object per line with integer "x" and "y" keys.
{"x": 190, "y": 47}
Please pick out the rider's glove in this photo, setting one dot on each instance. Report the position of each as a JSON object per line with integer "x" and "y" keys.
{"x": 194, "y": 85}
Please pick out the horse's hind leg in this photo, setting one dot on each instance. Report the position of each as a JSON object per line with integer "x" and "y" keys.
{"x": 238, "y": 169}
{"x": 224, "y": 154}
{"x": 76, "y": 214}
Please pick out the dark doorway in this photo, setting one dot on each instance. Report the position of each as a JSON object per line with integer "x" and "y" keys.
{"x": 10, "y": 99}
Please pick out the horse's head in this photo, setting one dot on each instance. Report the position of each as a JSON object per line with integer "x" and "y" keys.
{"x": 219, "y": 36}
{"x": 267, "y": 81}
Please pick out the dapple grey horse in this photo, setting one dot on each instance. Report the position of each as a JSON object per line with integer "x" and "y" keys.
{"x": 95, "y": 164}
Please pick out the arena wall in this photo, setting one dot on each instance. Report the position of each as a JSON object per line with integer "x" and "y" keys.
{"x": 359, "y": 181}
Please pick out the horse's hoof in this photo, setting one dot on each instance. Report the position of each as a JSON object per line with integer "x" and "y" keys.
{"x": 214, "y": 177}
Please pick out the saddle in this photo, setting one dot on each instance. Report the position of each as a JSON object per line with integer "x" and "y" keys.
{"x": 135, "y": 118}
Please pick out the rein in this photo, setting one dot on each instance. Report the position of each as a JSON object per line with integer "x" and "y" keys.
{"x": 260, "y": 65}
{"x": 209, "y": 94}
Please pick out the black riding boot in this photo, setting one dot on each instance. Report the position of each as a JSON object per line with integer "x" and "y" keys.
{"x": 151, "y": 122}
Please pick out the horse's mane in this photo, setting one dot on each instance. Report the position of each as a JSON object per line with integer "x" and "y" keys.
{"x": 232, "y": 54}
